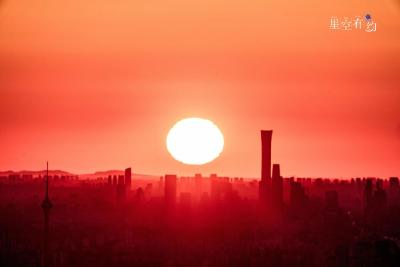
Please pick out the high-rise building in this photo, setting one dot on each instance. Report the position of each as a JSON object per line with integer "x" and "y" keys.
{"x": 265, "y": 183}
{"x": 128, "y": 177}
{"x": 266, "y": 139}
{"x": 170, "y": 188}
{"x": 277, "y": 187}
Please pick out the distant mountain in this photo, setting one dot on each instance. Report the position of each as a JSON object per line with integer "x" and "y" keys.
{"x": 118, "y": 172}
{"x": 87, "y": 176}
{"x": 41, "y": 172}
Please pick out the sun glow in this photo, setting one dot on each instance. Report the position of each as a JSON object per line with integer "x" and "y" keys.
{"x": 195, "y": 141}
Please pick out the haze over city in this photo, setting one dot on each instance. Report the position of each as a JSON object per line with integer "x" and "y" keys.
{"x": 199, "y": 133}
{"x": 96, "y": 85}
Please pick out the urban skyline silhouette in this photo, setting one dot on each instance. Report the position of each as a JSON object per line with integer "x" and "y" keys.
{"x": 117, "y": 220}
{"x": 199, "y": 133}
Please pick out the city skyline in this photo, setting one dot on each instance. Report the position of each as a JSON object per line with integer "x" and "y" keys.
{"x": 101, "y": 87}
{"x": 270, "y": 171}
{"x": 201, "y": 133}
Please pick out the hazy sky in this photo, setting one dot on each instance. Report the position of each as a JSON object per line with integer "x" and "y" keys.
{"x": 93, "y": 85}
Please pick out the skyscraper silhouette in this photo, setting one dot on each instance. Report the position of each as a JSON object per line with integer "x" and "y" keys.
{"x": 128, "y": 177}
{"x": 170, "y": 189}
{"x": 265, "y": 183}
{"x": 46, "y": 207}
{"x": 277, "y": 187}
{"x": 266, "y": 139}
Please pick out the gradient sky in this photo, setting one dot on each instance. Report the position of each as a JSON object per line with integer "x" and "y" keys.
{"x": 96, "y": 85}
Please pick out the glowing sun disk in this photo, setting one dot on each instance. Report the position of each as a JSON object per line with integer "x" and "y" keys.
{"x": 195, "y": 141}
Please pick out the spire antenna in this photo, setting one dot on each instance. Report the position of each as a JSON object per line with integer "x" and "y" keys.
{"x": 47, "y": 180}
{"x": 46, "y": 204}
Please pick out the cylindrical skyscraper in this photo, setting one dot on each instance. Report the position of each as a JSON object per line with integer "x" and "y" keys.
{"x": 265, "y": 183}
{"x": 266, "y": 138}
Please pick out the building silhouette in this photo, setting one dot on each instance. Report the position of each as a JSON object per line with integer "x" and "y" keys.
{"x": 128, "y": 177}
{"x": 265, "y": 183}
{"x": 266, "y": 139}
{"x": 170, "y": 188}
{"x": 46, "y": 207}
{"x": 277, "y": 187}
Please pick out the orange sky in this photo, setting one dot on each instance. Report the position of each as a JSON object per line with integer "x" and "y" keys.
{"x": 95, "y": 85}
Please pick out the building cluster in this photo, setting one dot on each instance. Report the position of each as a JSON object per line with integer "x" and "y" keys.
{"x": 122, "y": 183}
{"x": 120, "y": 220}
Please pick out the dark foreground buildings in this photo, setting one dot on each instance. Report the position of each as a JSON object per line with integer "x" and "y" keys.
{"x": 108, "y": 220}
{"x": 46, "y": 207}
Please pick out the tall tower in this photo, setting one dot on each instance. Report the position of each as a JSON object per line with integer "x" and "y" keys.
{"x": 46, "y": 207}
{"x": 265, "y": 183}
{"x": 170, "y": 189}
{"x": 128, "y": 177}
{"x": 266, "y": 139}
{"x": 277, "y": 187}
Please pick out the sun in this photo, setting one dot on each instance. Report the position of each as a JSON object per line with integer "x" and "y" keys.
{"x": 195, "y": 141}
